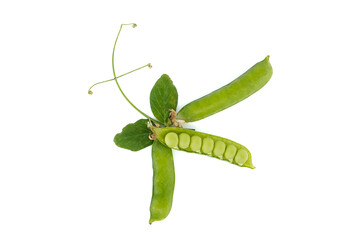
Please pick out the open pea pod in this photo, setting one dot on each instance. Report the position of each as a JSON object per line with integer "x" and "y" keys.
{"x": 206, "y": 144}
{"x": 163, "y": 182}
{"x": 239, "y": 89}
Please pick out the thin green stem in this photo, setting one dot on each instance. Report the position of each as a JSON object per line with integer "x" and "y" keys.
{"x": 90, "y": 92}
{"x": 113, "y": 68}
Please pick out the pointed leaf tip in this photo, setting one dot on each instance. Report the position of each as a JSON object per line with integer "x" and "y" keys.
{"x": 163, "y": 96}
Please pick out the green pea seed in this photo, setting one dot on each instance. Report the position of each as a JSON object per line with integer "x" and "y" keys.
{"x": 219, "y": 148}
{"x": 184, "y": 140}
{"x": 241, "y": 157}
{"x": 195, "y": 144}
{"x": 208, "y": 145}
{"x": 172, "y": 140}
{"x": 230, "y": 152}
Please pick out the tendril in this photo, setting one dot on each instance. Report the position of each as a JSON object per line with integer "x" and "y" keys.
{"x": 91, "y": 92}
{"x": 115, "y": 78}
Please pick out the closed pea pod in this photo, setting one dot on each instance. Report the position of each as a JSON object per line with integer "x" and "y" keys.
{"x": 239, "y": 89}
{"x": 163, "y": 182}
{"x": 205, "y": 144}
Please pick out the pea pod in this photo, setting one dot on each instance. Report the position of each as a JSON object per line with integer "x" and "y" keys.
{"x": 206, "y": 144}
{"x": 239, "y": 89}
{"x": 163, "y": 182}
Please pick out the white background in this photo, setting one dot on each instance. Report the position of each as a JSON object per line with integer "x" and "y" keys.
{"x": 62, "y": 177}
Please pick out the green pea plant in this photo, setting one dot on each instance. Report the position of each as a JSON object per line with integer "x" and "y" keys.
{"x": 166, "y": 132}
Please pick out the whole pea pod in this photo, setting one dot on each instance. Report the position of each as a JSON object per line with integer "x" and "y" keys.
{"x": 163, "y": 182}
{"x": 203, "y": 143}
{"x": 239, "y": 89}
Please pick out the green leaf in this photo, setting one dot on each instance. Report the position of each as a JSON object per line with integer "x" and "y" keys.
{"x": 134, "y": 136}
{"x": 163, "y": 97}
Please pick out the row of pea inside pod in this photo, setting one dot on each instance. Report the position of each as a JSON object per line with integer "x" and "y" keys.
{"x": 202, "y": 143}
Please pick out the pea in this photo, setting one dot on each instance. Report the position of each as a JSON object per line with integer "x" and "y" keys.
{"x": 195, "y": 144}
{"x": 163, "y": 182}
{"x": 208, "y": 145}
{"x": 171, "y": 140}
{"x": 203, "y": 143}
{"x": 184, "y": 140}
{"x": 230, "y": 152}
{"x": 239, "y": 89}
{"x": 219, "y": 149}
{"x": 241, "y": 157}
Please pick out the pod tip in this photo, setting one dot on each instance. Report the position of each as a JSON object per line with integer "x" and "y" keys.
{"x": 267, "y": 57}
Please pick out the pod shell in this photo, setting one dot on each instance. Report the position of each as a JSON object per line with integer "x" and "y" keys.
{"x": 163, "y": 182}
{"x": 239, "y": 89}
{"x": 162, "y": 132}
